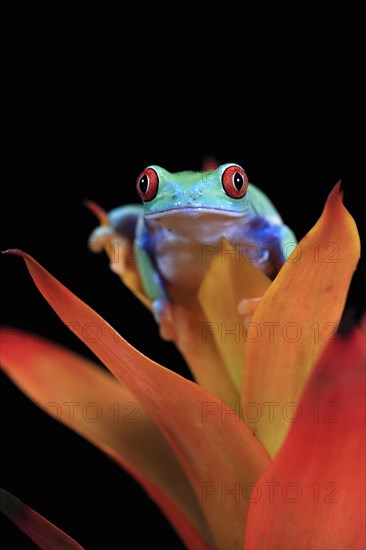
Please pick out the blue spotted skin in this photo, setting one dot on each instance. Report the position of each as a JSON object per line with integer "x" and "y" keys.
{"x": 177, "y": 232}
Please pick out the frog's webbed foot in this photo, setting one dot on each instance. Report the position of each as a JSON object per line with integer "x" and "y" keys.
{"x": 247, "y": 307}
{"x": 260, "y": 257}
{"x": 163, "y": 314}
{"x": 99, "y": 238}
{"x": 158, "y": 307}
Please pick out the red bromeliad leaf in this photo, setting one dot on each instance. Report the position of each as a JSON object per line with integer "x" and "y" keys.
{"x": 80, "y": 390}
{"x": 36, "y": 527}
{"x": 296, "y": 317}
{"x": 313, "y": 494}
{"x": 216, "y": 449}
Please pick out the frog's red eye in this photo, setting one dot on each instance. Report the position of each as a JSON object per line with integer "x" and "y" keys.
{"x": 234, "y": 181}
{"x": 147, "y": 184}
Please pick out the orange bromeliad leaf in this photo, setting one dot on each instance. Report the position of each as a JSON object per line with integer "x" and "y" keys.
{"x": 296, "y": 318}
{"x": 48, "y": 373}
{"x": 36, "y": 527}
{"x": 216, "y": 449}
{"x": 313, "y": 493}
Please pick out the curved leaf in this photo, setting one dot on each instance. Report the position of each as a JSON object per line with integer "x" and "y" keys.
{"x": 297, "y": 316}
{"x": 313, "y": 494}
{"x": 91, "y": 402}
{"x": 216, "y": 449}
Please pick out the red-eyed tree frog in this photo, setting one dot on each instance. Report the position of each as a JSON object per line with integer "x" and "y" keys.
{"x": 183, "y": 218}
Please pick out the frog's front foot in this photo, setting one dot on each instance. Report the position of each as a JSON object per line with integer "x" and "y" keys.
{"x": 158, "y": 307}
{"x": 163, "y": 314}
{"x": 247, "y": 307}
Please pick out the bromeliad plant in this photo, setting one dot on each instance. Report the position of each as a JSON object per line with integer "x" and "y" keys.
{"x": 286, "y": 471}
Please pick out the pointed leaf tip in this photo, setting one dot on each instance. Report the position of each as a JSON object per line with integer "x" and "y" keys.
{"x": 336, "y": 195}
{"x": 97, "y": 210}
{"x": 14, "y": 252}
{"x": 41, "y": 531}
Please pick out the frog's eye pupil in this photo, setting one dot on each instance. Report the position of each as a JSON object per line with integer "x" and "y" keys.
{"x": 143, "y": 183}
{"x": 234, "y": 181}
{"x": 147, "y": 184}
{"x": 238, "y": 181}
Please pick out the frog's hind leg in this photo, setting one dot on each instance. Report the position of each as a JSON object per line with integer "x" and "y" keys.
{"x": 284, "y": 245}
{"x": 124, "y": 220}
{"x": 268, "y": 245}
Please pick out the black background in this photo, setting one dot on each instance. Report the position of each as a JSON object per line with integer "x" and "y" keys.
{"x": 78, "y": 129}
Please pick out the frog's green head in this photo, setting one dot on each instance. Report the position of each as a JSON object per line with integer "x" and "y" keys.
{"x": 220, "y": 191}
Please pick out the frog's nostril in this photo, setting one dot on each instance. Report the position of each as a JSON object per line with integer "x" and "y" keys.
{"x": 192, "y": 198}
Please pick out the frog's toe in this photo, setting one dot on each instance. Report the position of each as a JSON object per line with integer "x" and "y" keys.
{"x": 99, "y": 238}
{"x": 163, "y": 314}
{"x": 258, "y": 255}
{"x": 247, "y": 307}
{"x": 168, "y": 330}
{"x": 158, "y": 307}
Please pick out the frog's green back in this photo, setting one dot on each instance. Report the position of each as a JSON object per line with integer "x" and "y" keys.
{"x": 261, "y": 203}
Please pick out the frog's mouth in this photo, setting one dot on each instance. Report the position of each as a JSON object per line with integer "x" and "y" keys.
{"x": 194, "y": 212}
{"x": 196, "y": 222}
